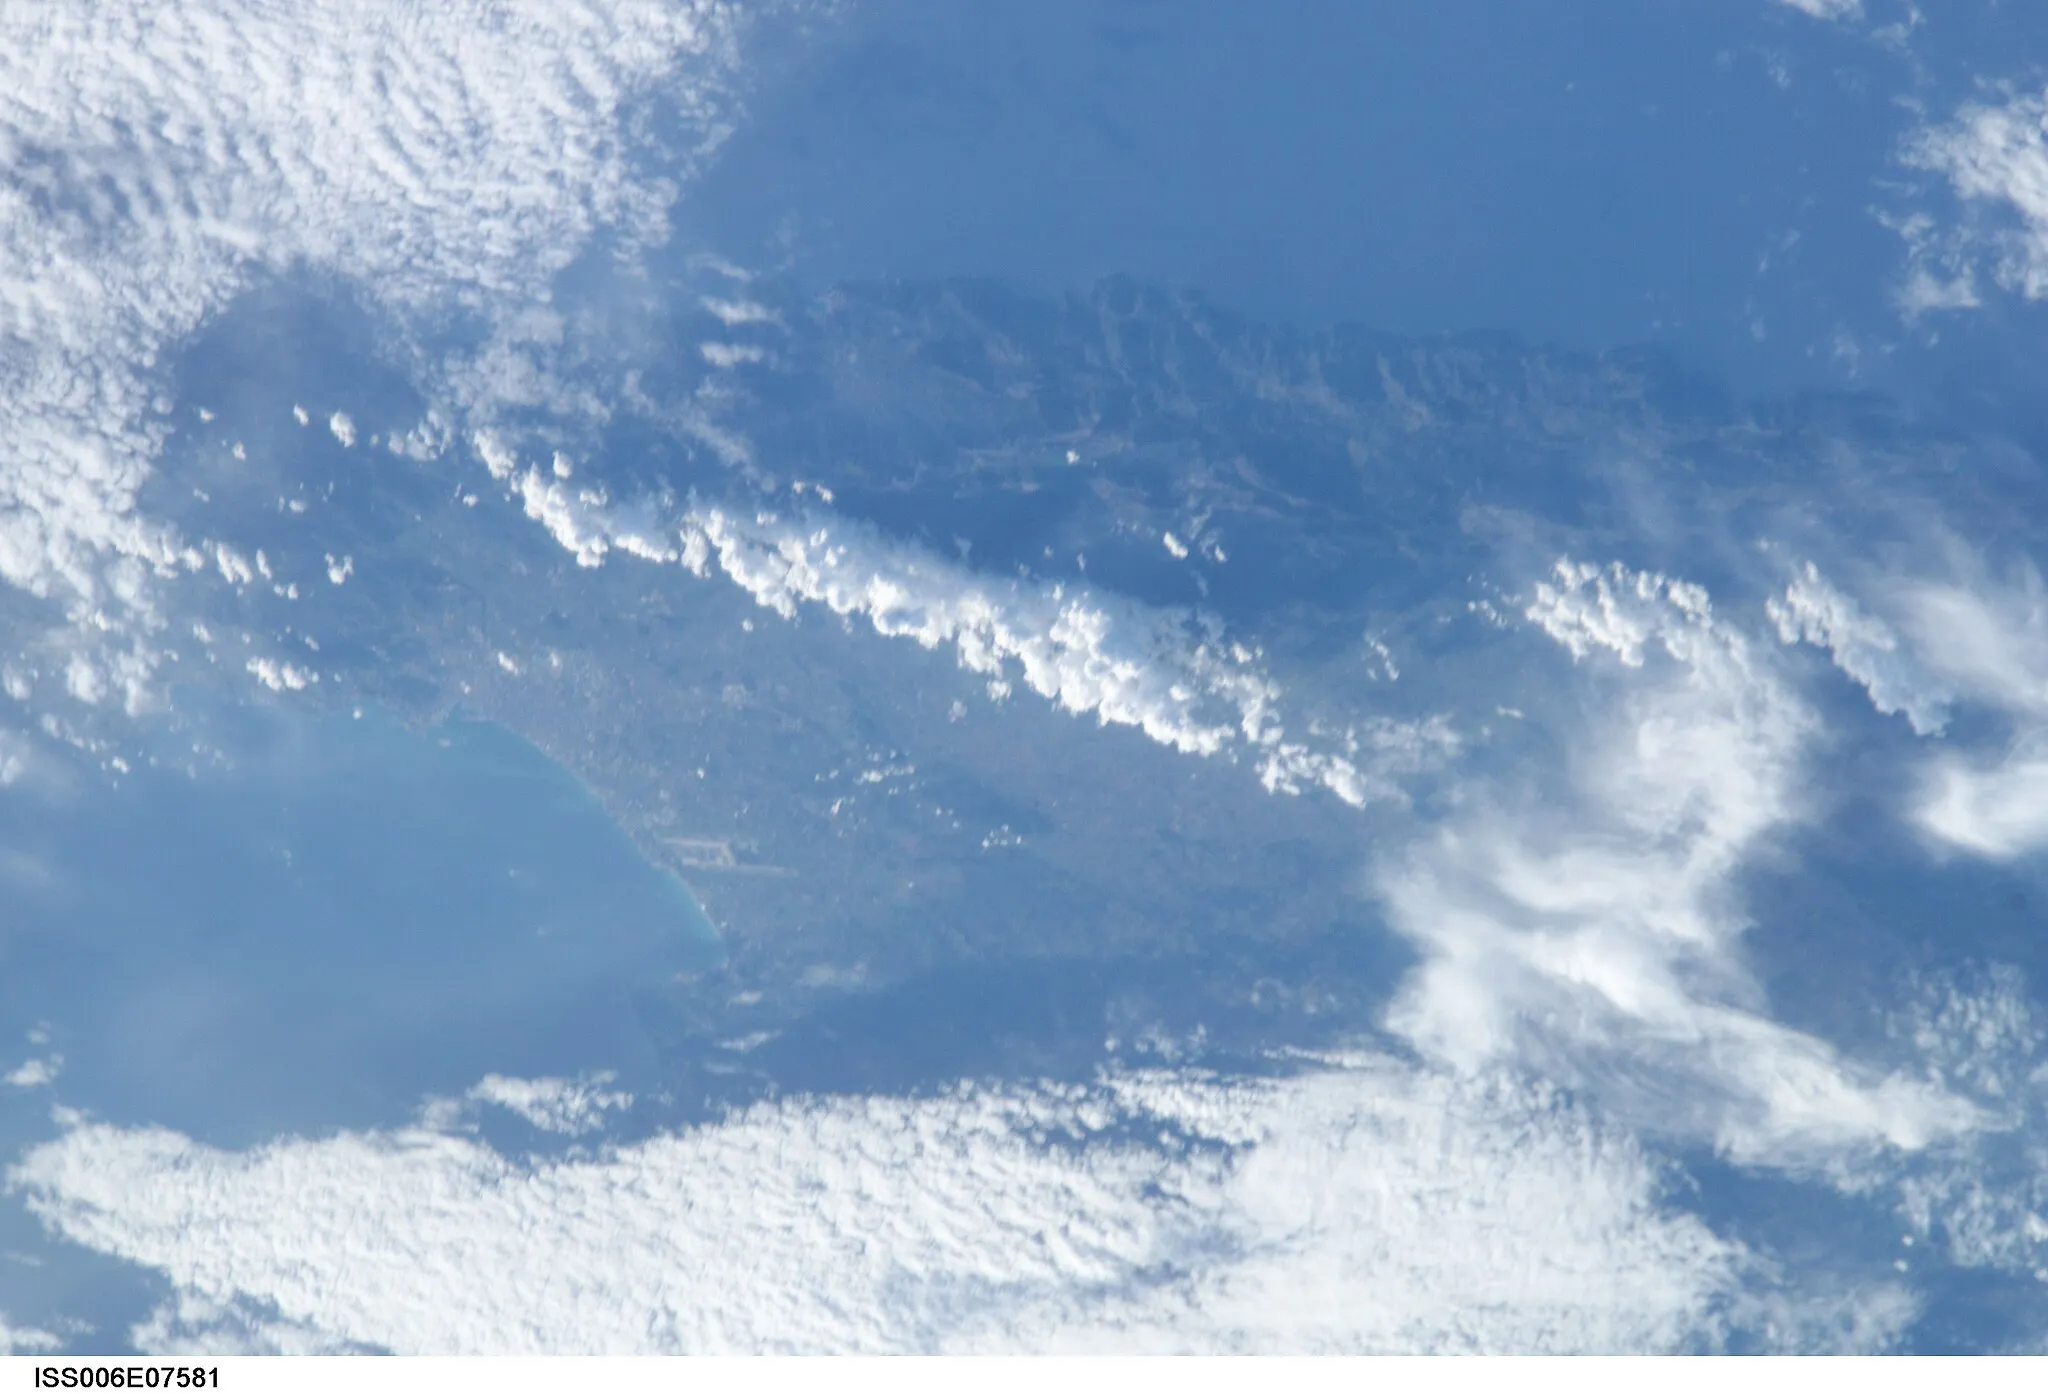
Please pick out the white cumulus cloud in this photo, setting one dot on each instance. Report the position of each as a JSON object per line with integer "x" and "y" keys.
{"x": 281, "y": 676}
{"x": 160, "y": 154}
{"x": 1172, "y": 675}
{"x": 1361, "y": 1206}
{"x": 553, "y": 1105}
{"x": 1863, "y": 646}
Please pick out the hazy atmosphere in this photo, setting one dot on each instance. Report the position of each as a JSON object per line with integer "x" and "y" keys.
{"x": 1086, "y": 676}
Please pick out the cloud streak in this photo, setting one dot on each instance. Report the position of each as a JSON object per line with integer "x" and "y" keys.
{"x": 1172, "y": 675}
{"x": 1863, "y": 647}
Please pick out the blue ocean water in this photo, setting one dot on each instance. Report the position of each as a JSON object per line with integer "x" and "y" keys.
{"x": 341, "y": 918}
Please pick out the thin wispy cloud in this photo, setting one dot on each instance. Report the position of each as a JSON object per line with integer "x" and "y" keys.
{"x": 1988, "y": 639}
{"x": 1826, "y": 9}
{"x": 1934, "y": 643}
{"x": 1994, "y": 155}
{"x": 1996, "y": 808}
{"x": 27, "y": 1340}
{"x": 1979, "y": 1031}
{"x": 1595, "y": 933}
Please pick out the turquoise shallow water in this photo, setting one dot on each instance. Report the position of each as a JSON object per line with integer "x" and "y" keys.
{"x": 342, "y": 918}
